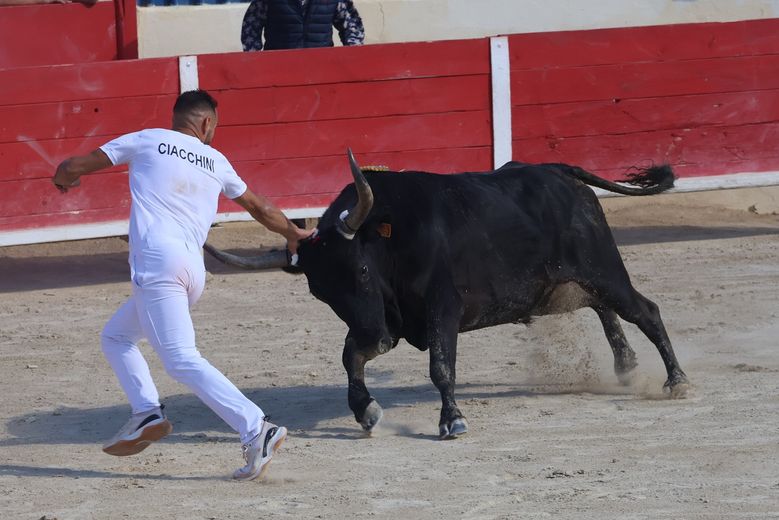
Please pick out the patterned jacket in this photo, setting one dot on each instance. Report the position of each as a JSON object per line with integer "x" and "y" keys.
{"x": 256, "y": 20}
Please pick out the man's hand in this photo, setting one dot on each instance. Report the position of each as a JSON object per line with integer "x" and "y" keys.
{"x": 65, "y": 187}
{"x": 267, "y": 214}
{"x": 71, "y": 169}
{"x": 301, "y": 234}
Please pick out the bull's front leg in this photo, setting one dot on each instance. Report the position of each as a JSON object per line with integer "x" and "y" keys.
{"x": 366, "y": 410}
{"x": 442, "y": 328}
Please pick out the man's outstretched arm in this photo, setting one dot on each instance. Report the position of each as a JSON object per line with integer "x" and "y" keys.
{"x": 69, "y": 170}
{"x": 267, "y": 214}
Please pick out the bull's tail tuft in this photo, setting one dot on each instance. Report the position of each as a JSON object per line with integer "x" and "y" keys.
{"x": 644, "y": 181}
{"x": 658, "y": 178}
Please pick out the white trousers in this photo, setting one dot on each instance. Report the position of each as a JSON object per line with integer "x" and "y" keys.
{"x": 168, "y": 278}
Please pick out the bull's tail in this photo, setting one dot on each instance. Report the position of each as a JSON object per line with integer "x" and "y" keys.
{"x": 648, "y": 181}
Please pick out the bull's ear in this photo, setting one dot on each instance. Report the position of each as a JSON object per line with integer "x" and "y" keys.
{"x": 384, "y": 229}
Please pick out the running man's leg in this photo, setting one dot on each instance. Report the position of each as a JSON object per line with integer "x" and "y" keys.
{"x": 148, "y": 423}
{"x": 163, "y": 311}
{"x": 119, "y": 341}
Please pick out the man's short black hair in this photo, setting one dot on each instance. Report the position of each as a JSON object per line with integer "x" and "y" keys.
{"x": 194, "y": 101}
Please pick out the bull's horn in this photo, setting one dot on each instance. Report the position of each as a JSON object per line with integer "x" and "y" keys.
{"x": 359, "y": 212}
{"x": 270, "y": 260}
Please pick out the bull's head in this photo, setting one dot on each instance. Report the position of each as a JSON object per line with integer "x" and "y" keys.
{"x": 346, "y": 266}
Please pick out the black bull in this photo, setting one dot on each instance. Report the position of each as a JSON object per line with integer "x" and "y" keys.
{"x": 423, "y": 257}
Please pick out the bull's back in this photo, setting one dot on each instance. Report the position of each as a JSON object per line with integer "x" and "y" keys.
{"x": 507, "y": 239}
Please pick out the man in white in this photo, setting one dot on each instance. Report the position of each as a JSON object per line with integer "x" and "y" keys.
{"x": 175, "y": 181}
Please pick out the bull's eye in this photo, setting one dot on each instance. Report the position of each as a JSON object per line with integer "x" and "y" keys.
{"x": 364, "y": 271}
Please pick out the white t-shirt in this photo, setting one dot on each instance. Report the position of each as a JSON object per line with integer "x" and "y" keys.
{"x": 175, "y": 182}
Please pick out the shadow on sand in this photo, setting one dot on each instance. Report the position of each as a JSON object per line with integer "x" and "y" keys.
{"x": 300, "y": 408}
{"x": 40, "y": 273}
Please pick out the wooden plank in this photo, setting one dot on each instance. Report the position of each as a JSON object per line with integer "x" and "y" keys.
{"x": 87, "y": 118}
{"x": 344, "y": 64}
{"x": 640, "y": 80}
{"x": 44, "y": 231}
{"x": 641, "y": 115}
{"x": 290, "y": 181}
{"x": 384, "y": 134}
{"x": 444, "y": 160}
{"x": 644, "y": 44}
{"x": 352, "y": 100}
{"x": 750, "y": 147}
{"x": 36, "y": 35}
{"x": 316, "y": 175}
{"x": 89, "y": 81}
{"x": 38, "y": 159}
{"x": 39, "y": 196}
{"x": 29, "y": 154}
{"x": 298, "y": 202}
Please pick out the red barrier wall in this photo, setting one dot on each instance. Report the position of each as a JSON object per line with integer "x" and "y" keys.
{"x": 53, "y": 34}
{"x": 287, "y": 119}
{"x": 50, "y": 113}
{"x": 702, "y": 97}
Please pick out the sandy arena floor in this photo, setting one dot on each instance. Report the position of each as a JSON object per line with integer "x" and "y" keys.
{"x": 552, "y": 433}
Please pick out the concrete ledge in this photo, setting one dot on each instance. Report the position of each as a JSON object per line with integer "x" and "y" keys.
{"x": 181, "y": 30}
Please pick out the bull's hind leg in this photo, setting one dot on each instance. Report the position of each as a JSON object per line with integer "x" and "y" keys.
{"x": 635, "y": 308}
{"x": 624, "y": 357}
{"x": 366, "y": 410}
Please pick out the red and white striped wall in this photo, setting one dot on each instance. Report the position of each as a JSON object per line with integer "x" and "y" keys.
{"x": 701, "y": 97}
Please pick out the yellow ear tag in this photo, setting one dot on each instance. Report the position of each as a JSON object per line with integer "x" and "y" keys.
{"x": 385, "y": 230}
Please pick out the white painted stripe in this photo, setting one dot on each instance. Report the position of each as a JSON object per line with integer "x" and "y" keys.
{"x": 62, "y": 233}
{"x": 501, "y": 100}
{"x": 188, "y": 75}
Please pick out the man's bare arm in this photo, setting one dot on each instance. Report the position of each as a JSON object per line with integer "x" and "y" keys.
{"x": 267, "y": 214}
{"x": 72, "y": 168}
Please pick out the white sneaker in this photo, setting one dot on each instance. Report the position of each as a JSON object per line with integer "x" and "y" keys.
{"x": 258, "y": 452}
{"x": 141, "y": 430}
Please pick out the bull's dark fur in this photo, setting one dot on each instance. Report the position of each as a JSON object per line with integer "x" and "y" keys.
{"x": 474, "y": 250}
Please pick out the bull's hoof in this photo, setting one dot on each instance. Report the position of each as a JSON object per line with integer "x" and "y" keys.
{"x": 371, "y": 416}
{"x": 624, "y": 367}
{"x": 626, "y": 378}
{"x": 676, "y": 387}
{"x": 453, "y": 429}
